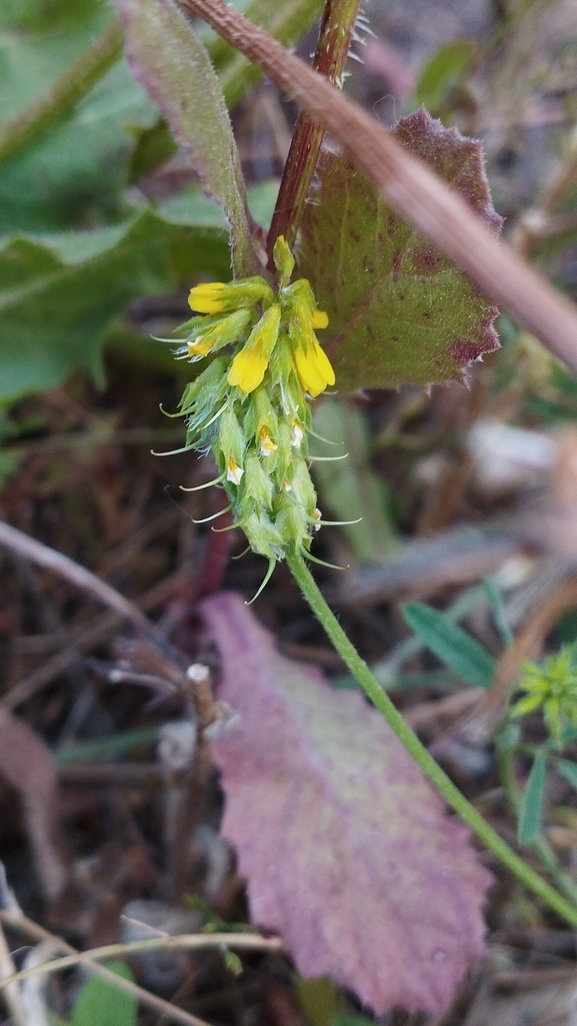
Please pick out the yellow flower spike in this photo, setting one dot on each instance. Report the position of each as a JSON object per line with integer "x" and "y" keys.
{"x": 207, "y": 298}
{"x": 266, "y": 443}
{"x": 319, "y": 320}
{"x": 233, "y": 471}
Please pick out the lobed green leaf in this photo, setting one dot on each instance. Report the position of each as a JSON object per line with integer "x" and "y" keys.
{"x": 398, "y": 311}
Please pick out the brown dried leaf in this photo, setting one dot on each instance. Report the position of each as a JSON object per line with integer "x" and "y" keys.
{"x": 26, "y": 764}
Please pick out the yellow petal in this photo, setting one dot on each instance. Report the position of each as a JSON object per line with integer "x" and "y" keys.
{"x": 314, "y": 369}
{"x": 234, "y": 472}
{"x": 310, "y": 379}
{"x": 323, "y": 364}
{"x": 201, "y": 346}
{"x": 248, "y": 367}
{"x": 266, "y": 443}
{"x": 319, "y": 319}
{"x": 207, "y": 298}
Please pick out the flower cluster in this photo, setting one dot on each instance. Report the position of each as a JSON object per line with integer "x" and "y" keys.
{"x": 553, "y": 685}
{"x": 250, "y": 406}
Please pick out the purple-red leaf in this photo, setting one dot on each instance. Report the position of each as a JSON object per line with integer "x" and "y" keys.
{"x": 347, "y": 850}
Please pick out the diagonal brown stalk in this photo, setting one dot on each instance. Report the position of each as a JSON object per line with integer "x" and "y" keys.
{"x": 329, "y": 60}
{"x": 414, "y": 191}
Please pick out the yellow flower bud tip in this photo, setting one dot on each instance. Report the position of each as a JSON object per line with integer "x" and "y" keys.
{"x": 283, "y": 259}
{"x": 287, "y": 485}
{"x": 266, "y": 443}
{"x": 248, "y": 367}
{"x": 297, "y": 434}
{"x": 319, "y": 320}
{"x": 208, "y": 297}
{"x": 233, "y": 471}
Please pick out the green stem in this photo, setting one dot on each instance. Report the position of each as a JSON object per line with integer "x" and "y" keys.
{"x": 433, "y": 771}
{"x": 329, "y": 60}
{"x": 63, "y": 94}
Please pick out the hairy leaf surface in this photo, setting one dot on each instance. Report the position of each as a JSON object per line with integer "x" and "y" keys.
{"x": 346, "y": 848}
{"x": 175, "y": 69}
{"x": 399, "y": 312}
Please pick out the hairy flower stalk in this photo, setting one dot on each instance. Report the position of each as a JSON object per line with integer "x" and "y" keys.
{"x": 251, "y": 408}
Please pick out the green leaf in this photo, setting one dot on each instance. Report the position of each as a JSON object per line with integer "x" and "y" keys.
{"x": 531, "y": 810}
{"x": 443, "y": 71}
{"x": 100, "y": 1003}
{"x": 398, "y": 311}
{"x": 174, "y": 67}
{"x": 287, "y": 23}
{"x": 498, "y": 610}
{"x": 77, "y": 172}
{"x": 58, "y": 294}
{"x": 568, "y": 770}
{"x": 348, "y": 488}
{"x": 451, "y": 644}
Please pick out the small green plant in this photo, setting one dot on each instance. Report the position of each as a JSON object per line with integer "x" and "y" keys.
{"x": 552, "y": 687}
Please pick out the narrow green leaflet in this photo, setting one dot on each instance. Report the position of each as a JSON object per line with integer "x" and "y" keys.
{"x": 443, "y": 71}
{"x": 568, "y": 770}
{"x": 451, "y": 644}
{"x": 175, "y": 69}
{"x": 58, "y": 294}
{"x": 531, "y": 810}
{"x": 498, "y": 610}
{"x": 398, "y": 311}
{"x": 100, "y": 1003}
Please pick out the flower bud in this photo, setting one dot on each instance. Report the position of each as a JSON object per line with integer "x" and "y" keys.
{"x": 249, "y": 366}
{"x": 257, "y": 485}
{"x": 223, "y": 332}
{"x": 263, "y": 536}
{"x": 231, "y": 442}
{"x": 283, "y": 260}
{"x": 219, "y": 297}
